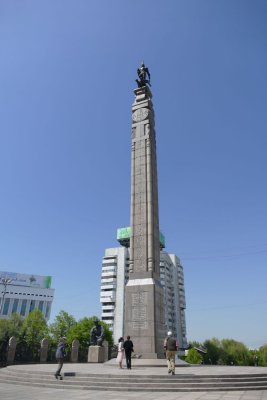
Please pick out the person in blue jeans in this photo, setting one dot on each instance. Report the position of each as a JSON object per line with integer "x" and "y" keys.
{"x": 60, "y": 355}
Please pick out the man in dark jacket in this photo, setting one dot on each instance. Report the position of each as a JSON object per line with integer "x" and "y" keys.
{"x": 170, "y": 347}
{"x": 60, "y": 355}
{"x": 128, "y": 347}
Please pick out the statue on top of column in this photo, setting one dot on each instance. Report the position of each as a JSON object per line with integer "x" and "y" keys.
{"x": 142, "y": 73}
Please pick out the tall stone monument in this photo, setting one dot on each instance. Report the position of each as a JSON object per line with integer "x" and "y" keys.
{"x": 144, "y": 310}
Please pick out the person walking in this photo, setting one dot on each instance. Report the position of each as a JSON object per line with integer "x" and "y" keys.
{"x": 128, "y": 348}
{"x": 170, "y": 347}
{"x": 60, "y": 355}
{"x": 120, "y": 355}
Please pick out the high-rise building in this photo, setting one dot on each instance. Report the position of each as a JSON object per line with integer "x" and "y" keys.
{"x": 115, "y": 275}
{"x": 22, "y": 293}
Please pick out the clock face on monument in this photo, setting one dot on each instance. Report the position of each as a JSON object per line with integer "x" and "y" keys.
{"x": 140, "y": 114}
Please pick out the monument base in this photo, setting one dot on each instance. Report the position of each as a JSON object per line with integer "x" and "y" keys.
{"x": 145, "y": 326}
{"x": 96, "y": 354}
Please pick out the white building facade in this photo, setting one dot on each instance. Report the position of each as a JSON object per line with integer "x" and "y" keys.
{"x": 22, "y": 293}
{"x": 114, "y": 276}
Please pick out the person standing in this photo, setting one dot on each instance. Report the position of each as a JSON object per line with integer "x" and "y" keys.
{"x": 120, "y": 355}
{"x": 60, "y": 355}
{"x": 170, "y": 347}
{"x": 128, "y": 347}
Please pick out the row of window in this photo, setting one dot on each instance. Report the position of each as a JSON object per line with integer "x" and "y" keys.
{"x": 28, "y": 294}
{"x": 22, "y": 312}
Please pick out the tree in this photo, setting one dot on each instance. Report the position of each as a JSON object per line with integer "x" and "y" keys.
{"x": 8, "y": 328}
{"x": 193, "y": 357}
{"x": 15, "y": 325}
{"x": 234, "y": 353}
{"x": 34, "y": 329}
{"x": 213, "y": 347}
{"x": 62, "y": 325}
{"x": 262, "y": 355}
{"x": 4, "y": 337}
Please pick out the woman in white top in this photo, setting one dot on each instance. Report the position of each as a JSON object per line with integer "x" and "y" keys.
{"x": 120, "y": 355}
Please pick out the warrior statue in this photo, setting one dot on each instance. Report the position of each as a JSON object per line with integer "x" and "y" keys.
{"x": 97, "y": 334}
{"x": 142, "y": 72}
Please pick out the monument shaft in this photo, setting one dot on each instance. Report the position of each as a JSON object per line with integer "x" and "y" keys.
{"x": 144, "y": 318}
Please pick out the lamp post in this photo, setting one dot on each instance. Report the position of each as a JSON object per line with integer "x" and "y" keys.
{"x": 5, "y": 282}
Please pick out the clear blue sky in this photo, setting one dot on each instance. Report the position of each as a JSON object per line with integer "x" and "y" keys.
{"x": 67, "y": 75}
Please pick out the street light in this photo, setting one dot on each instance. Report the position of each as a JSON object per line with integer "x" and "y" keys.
{"x": 5, "y": 282}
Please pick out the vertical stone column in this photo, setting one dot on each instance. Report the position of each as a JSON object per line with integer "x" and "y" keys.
{"x": 106, "y": 348}
{"x": 12, "y": 344}
{"x": 144, "y": 312}
{"x": 44, "y": 350}
{"x": 74, "y": 351}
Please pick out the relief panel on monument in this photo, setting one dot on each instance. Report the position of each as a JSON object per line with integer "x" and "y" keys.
{"x": 147, "y": 129}
{"x": 139, "y": 310}
{"x": 140, "y": 114}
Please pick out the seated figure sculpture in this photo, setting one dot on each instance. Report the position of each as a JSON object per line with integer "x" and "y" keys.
{"x": 97, "y": 334}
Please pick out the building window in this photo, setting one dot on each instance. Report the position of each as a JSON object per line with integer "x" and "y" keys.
{"x": 32, "y": 305}
{"x": 15, "y": 306}
{"x": 6, "y": 306}
{"x": 23, "y": 308}
{"x": 41, "y": 306}
{"x": 47, "y": 310}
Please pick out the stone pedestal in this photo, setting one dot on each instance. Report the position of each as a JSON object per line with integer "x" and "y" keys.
{"x": 96, "y": 354}
{"x": 144, "y": 317}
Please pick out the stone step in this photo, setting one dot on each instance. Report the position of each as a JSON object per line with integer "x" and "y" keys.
{"x": 127, "y": 376}
{"x": 137, "y": 383}
{"x": 158, "y": 383}
{"x": 106, "y": 384}
{"x": 129, "y": 379}
{"x": 134, "y": 380}
{"x": 62, "y": 385}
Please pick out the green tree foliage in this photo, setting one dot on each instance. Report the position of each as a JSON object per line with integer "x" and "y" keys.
{"x": 234, "y": 353}
{"x": 193, "y": 357}
{"x": 34, "y": 329}
{"x": 61, "y": 326}
{"x": 9, "y": 328}
{"x": 4, "y": 337}
{"x": 225, "y": 352}
{"x": 214, "y": 351}
{"x": 81, "y": 332}
{"x": 262, "y": 355}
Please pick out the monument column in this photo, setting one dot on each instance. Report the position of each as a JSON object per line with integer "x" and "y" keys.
{"x": 144, "y": 310}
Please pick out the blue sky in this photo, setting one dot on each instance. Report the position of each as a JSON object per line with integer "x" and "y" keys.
{"x": 67, "y": 75}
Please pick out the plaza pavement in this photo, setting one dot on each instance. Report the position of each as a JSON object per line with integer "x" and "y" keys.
{"x": 16, "y": 392}
{"x": 19, "y": 392}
